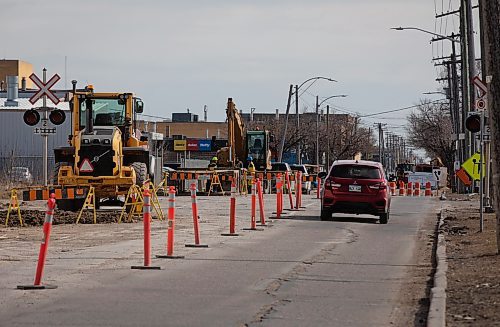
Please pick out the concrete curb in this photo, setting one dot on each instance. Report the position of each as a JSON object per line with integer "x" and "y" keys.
{"x": 437, "y": 309}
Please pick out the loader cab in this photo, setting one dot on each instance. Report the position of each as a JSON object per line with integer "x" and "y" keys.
{"x": 258, "y": 148}
{"x": 106, "y": 110}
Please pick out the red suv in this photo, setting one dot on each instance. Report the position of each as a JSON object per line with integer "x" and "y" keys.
{"x": 356, "y": 186}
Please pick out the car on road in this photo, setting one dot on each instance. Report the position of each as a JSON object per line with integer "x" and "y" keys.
{"x": 356, "y": 187}
{"x": 306, "y": 186}
{"x": 21, "y": 175}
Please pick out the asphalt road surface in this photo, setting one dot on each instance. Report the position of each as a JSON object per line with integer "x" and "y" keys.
{"x": 298, "y": 271}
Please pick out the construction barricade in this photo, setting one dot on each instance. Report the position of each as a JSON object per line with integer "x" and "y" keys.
{"x": 392, "y": 187}
{"x": 402, "y": 190}
{"x": 428, "y": 189}
{"x": 416, "y": 192}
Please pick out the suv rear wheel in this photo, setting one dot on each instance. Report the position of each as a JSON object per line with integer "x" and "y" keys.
{"x": 326, "y": 214}
{"x": 384, "y": 218}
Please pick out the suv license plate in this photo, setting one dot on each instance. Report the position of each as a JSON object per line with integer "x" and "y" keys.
{"x": 354, "y": 188}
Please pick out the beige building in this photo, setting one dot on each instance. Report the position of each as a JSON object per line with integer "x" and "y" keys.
{"x": 200, "y": 130}
{"x": 15, "y": 68}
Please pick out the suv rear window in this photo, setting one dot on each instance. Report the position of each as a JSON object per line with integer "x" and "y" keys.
{"x": 279, "y": 167}
{"x": 355, "y": 171}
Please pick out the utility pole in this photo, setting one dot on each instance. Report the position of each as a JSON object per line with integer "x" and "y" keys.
{"x": 490, "y": 11}
{"x": 317, "y": 130}
{"x": 282, "y": 145}
{"x": 299, "y": 155}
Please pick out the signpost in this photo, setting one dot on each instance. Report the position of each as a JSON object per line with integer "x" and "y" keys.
{"x": 44, "y": 92}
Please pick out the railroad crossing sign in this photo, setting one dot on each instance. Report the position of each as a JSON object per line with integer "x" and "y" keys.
{"x": 483, "y": 89}
{"x": 471, "y": 166}
{"x": 44, "y": 88}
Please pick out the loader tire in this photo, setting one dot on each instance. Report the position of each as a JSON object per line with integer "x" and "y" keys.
{"x": 141, "y": 172}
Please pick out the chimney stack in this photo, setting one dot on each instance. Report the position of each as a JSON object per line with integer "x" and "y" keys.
{"x": 12, "y": 91}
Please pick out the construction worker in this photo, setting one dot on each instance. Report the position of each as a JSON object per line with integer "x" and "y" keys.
{"x": 211, "y": 166}
{"x": 251, "y": 166}
{"x": 213, "y": 163}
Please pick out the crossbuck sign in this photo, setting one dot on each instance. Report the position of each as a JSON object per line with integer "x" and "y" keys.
{"x": 44, "y": 88}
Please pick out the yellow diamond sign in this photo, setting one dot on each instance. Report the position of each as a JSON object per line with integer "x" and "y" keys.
{"x": 471, "y": 166}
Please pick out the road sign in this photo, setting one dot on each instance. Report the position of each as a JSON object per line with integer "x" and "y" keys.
{"x": 483, "y": 89}
{"x": 86, "y": 166}
{"x": 44, "y": 130}
{"x": 471, "y": 166}
{"x": 481, "y": 104}
{"x": 463, "y": 177}
{"x": 44, "y": 88}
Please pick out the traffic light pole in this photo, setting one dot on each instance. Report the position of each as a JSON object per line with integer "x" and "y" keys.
{"x": 481, "y": 174}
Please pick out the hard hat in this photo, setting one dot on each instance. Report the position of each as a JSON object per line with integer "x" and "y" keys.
{"x": 249, "y": 158}
{"x": 214, "y": 159}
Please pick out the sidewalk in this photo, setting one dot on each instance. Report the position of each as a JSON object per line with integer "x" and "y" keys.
{"x": 473, "y": 276}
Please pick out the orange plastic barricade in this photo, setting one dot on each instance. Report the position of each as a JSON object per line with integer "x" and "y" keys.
{"x": 428, "y": 189}
{"x": 409, "y": 190}
{"x": 401, "y": 188}
{"x": 417, "y": 189}
{"x": 392, "y": 186}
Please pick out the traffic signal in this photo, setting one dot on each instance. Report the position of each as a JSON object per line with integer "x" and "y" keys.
{"x": 31, "y": 117}
{"x": 57, "y": 117}
{"x": 473, "y": 123}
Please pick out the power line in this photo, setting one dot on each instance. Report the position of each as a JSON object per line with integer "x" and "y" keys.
{"x": 401, "y": 109}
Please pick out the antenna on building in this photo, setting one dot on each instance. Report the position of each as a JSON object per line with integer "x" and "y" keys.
{"x": 205, "y": 112}
{"x": 188, "y": 110}
{"x": 65, "y": 72}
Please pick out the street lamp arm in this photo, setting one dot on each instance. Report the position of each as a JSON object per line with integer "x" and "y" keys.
{"x": 333, "y": 96}
{"x": 317, "y": 77}
{"x": 425, "y": 31}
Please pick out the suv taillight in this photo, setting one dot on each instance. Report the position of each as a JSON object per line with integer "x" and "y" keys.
{"x": 330, "y": 185}
{"x": 378, "y": 186}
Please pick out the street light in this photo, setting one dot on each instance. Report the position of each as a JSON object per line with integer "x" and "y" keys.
{"x": 454, "y": 92}
{"x": 318, "y": 105}
{"x": 282, "y": 143}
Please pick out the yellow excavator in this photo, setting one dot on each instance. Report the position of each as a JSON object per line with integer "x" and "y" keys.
{"x": 104, "y": 150}
{"x": 243, "y": 144}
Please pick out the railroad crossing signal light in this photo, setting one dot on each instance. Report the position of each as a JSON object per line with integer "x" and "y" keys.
{"x": 57, "y": 117}
{"x": 31, "y": 117}
{"x": 473, "y": 123}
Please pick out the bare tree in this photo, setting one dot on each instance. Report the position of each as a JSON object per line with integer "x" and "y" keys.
{"x": 430, "y": 129}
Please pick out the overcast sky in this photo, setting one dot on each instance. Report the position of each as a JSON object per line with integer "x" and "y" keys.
{"x": 187, "y": 54}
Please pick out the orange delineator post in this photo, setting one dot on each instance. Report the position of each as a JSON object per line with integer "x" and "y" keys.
{"x": 417, "y": 189}
{"x": 171, "y": 226}
{"x": 261, "y": 203}
{"x": 409, "y": 190}
{"x": 47, "y": 225}
{"x": 232, "y": 212}
{"x": 290, "y": 197}
{"x": 428, "y": 189}
{"x": 318, "y": 190}
{"x": 146, "y": 219}
{"x": 196, "y": 224}
{"x": 298, "y": 190}
{"x": 279, "y": 192}
{"x": 401, "y": 188}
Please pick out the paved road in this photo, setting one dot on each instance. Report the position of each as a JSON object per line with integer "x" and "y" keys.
{"x": 298, "y": 272}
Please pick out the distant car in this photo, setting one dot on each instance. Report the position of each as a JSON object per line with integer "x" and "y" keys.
{"x": 21, "y": 175}
{"x": 280, "y": 167}
{"x": 356, "y": 186}
{"x": 306, "y": 186}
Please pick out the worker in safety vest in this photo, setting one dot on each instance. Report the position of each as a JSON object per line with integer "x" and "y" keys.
{"x": 213, "y": 163}
{"x": 251, "y": 166}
